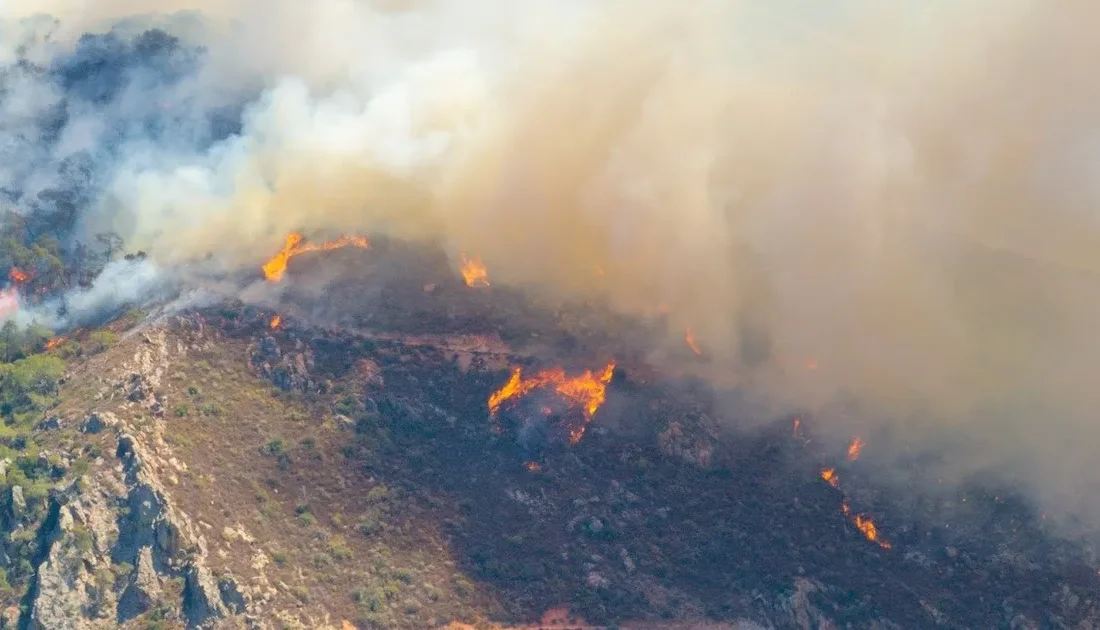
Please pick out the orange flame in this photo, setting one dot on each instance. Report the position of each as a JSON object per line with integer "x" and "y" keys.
{"x": 689, "y": 338}
{"x": 587, "y": 390}
{"x": 829, "y": 475}
{"x": 854, "y": 449}
{"x": 865, "y": 525}
{"x": 275, "y": 321}
{"x": 532, "y": 466}
{"x": 55, "y": 342}
{"x": 275, "y": 268}
{"x": 797, "y": 427}
{"x": 18, "y": 276}
{"x": 474, "y": 272}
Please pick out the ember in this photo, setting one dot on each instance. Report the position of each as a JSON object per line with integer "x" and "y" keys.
{"x": 689, "y": 338}
{"x": 18, "y": 276}
{"x": 275, "y": 268}
{"x": 854, "y": 449}
{"x": 474, "y": 272}
{"x": 587, "y": 391}
{"x": 275, "y": 321}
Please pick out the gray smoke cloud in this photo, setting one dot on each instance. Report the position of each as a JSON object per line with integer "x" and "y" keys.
{"x": 904, "y": 193}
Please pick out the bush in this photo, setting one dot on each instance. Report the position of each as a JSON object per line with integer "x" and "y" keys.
{"x": 100, "y": 340}
{"x": 274, "y": 447}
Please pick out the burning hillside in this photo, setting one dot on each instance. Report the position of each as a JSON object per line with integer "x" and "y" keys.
{"x": 539, "y": 313}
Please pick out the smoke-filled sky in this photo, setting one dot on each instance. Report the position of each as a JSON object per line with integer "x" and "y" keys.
{"x": 906, "y": 191}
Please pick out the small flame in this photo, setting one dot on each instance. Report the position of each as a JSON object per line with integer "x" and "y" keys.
{"x": 587, "y": 391}
{"x": 829, "y": 475}
{"x": 865, "y": 525}
{"x": 854, "y": 449}
{"x": 275, "y": 321}
{"x": 797, "y": 430}
{"x": 689, "y": 338}
{"x": 474, "y": 272}
{"x": 55, "y": 342}
{"x": 275, "y": 268}
{"x": 18, "y": 276}
{"x": 532, "y": 466}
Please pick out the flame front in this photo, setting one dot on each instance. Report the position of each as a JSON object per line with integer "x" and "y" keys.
{"x": 275, "y": 321}
{"x": 18, "y": 276}
{"x": 587, "y": 391}
{"x": 829, "y": 475}
{"x": 474, "y": 272}
{"x": 855, "y": 448}
{"x": 689, "y": 339}
{"x": 55, "y": 342}
{"x": 275, "y": 268}
{"x": 866, "y": 526}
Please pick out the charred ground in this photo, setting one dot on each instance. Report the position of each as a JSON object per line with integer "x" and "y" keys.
{"x": 349, "y": 471}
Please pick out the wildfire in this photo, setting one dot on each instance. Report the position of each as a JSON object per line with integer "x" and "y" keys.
{"x": 474, "y": 272}
{"x": 18, "y": 276}
{"x": 275, "y": 268}
{"x": 55, "y": 342}
{"x": 689, "y": 338}
{"x": 829, "y": 475}
{"x": 865, "y": 525}
{"x": 532, "y": 466}
{"x": 587, "y": 391}
{"x": 854, "y": 449}
{"x": 275, "y": 321}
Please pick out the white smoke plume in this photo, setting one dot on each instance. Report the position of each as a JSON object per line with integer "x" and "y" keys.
{"x": 904, "y": 192}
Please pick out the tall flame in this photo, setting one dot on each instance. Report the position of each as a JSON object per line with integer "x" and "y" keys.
{"x": 474, "y": 272}
{"x": 855, "y": 448}
{"x": 275, "y": 268}
{"x": 865, "y": 525}
{"x": 689, "y": 339}
{"x": 587, "y": 391}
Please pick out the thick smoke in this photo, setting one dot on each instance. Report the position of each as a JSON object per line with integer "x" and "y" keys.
{"x": 905, "y": 193}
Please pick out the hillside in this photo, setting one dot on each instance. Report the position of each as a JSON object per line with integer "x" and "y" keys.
{"x": 216, "y": 468}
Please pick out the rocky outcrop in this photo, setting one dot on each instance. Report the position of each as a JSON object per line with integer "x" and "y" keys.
{"x": 113, "y": 540}
{"x": 98, "y": 421}
{"x": 143, "y": 590}
{"x": 289, "y": 370}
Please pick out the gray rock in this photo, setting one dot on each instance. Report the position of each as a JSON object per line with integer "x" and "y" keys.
{"x": 201, "y": 598}
{"x": 231, "y": 595}
{"x": 97, "y": 422}
{"x": 18, "y": 504}
{"x": 597, "y": 581}
{"x": 143, "y": 590}
{"x": 53, "y": 423}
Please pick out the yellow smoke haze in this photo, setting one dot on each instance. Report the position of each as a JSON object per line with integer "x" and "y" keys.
{"x": 907, "y": 192}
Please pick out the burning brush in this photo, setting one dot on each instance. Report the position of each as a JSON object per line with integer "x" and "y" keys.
{"x": 863, "y": 523}
{"x": 275, "y": 268}
{"x": 474, "y": 272}
{"x": 558, "y": 401}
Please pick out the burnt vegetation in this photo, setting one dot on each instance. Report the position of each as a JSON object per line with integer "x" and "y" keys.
{"x": 368, "y": 466}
